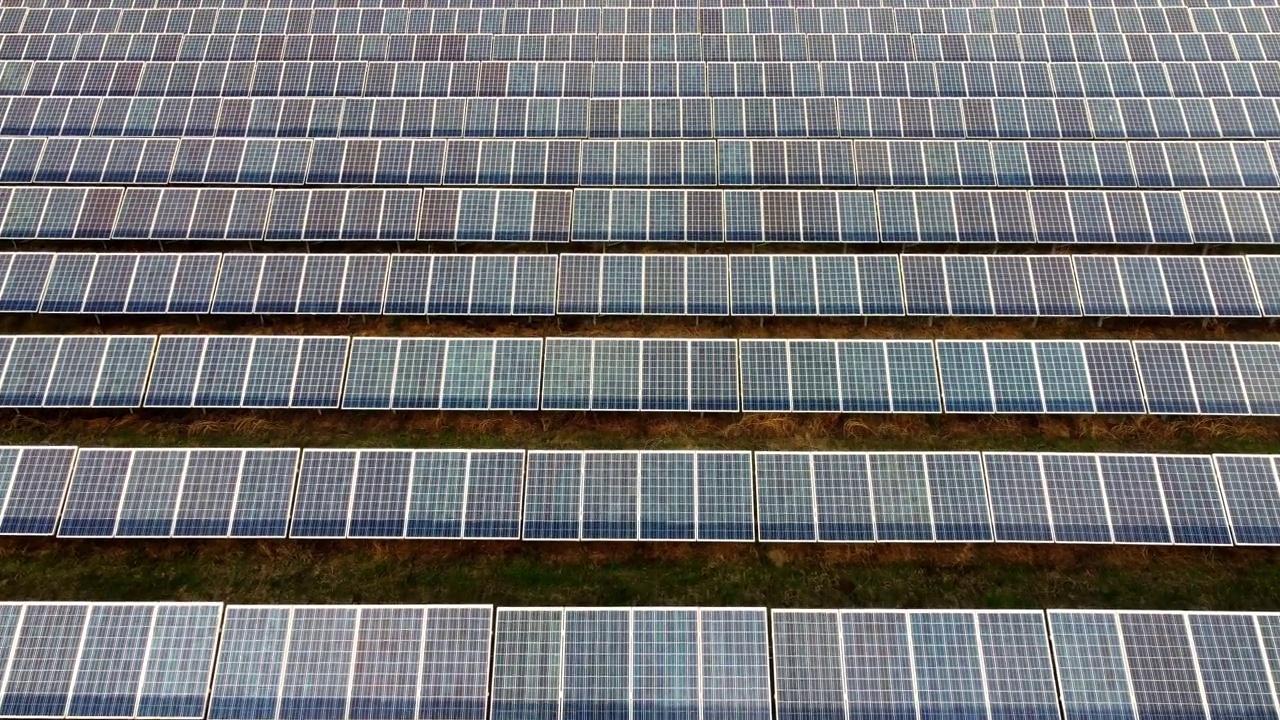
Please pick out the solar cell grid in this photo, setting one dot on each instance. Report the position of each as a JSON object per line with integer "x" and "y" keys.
{"x": 424, "y": 494}
{"x": 177, "y": 493}
{"x": 638, "y": 495}
{"x": 354, "y": 661}
{"x": 97, "y": 659}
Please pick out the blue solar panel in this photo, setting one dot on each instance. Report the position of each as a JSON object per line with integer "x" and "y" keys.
{"x": 179, "y": 493}
{"x": 909, "y": 664}
{"x": 1092, "y": 671}
{"x": 35, "y": 482}
{"x": 1161, "y": 663}
{"x": 117, "y": 659}
{"x": 785, "y": 491}
{"x": 1019, "y": 503}
{"x": 393, "y": 493}
{"x": 618, "y": 495}
{"x": 1252, "y": 497}
{"x": 596, "y": 374}
{"x": 1135, "y": 499}
{"x": 311, "y": 661}
{"x": 440, "y": 373}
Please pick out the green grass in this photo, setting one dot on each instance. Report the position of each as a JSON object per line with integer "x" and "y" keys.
{"x": 629, "y": 574}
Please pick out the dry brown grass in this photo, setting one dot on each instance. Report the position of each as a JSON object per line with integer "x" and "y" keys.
{"x": 764, "y": 431}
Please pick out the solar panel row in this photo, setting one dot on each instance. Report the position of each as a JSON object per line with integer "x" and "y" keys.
{"x": 351, "y": 9}
{"x": 624, "y": 284}
{"x": 600, "y": 215}
{"x": 541, "y": 17}
{"x": 674, "y": 118}
{"x": 559, "y": 17}
{"x": 832, "y": 163}
{"x": 1004, "y": 285}
{"x": 345, "y": 662}
{"x": 293, "y": 215}
{"x": 983, "y": 376}
{"x": 641, "y": 495}
{"x": 923, "y": 216}
{"x": 641, "y": 47}
{"x": 936, "y": 163}
{"x": 920, "y": 78}
{"x": 1108, "y": 79}
{"x": 351, "y": 12}
{"x": 998, "y": 376}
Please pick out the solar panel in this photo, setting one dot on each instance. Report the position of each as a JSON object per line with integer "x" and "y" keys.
{"x": 74, "y": 371}
{"x": 1019, "y": 500}
{"x": 1232, "y": 668}
{"x": 1191, "y": 378}
{"x": 627, "y": 495}
{"x": 1251, "y": 496}
{"x": 617, "y": 662}
{"x": 246, "y": 371}
{"x": 808, "y": 663}
{"x": 443, "y": 374}
{"x": 1161, "y": 662}
{"x": 847, "y": 375}
{"x": 1035, "y": 376}
{"x": 648, "y": 284}
{"x": 1019, "y": 672}
{"x": 472, "y": 494}
{"x": 1092, "y": 670}
{"x": 1136, "y": 500}
{"x": 909, "y": 664}
{"x": 651, "y": 374}
{"x": 109, "y": 659}
{"x": 35, "y": 482}
{"x": 877, "y": 496}
{"x": 310, "y": 284}
{"x": 735, "y": 671}
{"x": 179, "y": 493}
{"x": 528, "y": 652}
{"x": 353, "y": 661}
{"x": 1129, "y": 663}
